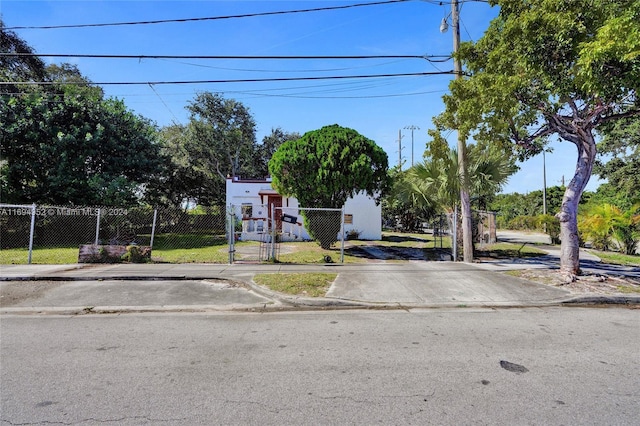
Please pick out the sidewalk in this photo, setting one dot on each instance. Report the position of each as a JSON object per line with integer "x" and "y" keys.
{"x": 206, "y": 287}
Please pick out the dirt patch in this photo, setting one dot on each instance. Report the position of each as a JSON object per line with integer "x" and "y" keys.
{"x": 14, "y": 292}
{"x": 374, "y": 252}
{"x": 588, "y": 283}
{"x": 420, "y": 249}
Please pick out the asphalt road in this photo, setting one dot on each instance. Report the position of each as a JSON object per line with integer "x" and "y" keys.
{"x": 438, "y": 366}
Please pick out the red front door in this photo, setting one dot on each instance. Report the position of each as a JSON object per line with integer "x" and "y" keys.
{"x": 274, "y": 202}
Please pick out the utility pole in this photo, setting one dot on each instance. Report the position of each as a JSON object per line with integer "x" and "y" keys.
{"x": 465, "y": 205}
{"x": 412, "y": 128}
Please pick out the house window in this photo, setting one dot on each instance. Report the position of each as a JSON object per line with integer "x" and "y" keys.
{"x": 247, "y": 210}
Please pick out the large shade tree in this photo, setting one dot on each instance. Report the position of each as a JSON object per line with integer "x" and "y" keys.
{"x": 222, "y": 135}
{"x": 325, "y": 167}
{"x": 64, "y": 143}
{"x": 619, "y": 162}
{"x": 270, "y": 144}
{"x": 548, "y": 68}
{"x": 184, "y": 182}
{"x": 218, "y": 142}
{"x": 18, "y": 64}
{"x": 435, "y": 182}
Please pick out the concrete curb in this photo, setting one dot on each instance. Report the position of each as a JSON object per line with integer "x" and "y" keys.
{"x": 305, "y": 301}
{"x": 282, "y": 302}
{"x": 275, "y": 308}
{"x": 603, "y": 300}
{"x": 115, "y": 278}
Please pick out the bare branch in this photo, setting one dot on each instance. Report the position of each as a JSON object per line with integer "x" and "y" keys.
{"x": 626, "y": 114}
{"x": 574, "y": 109}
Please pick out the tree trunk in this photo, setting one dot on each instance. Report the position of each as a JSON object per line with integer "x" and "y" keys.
{"x": 467, "y": 227}
{"x": 465, "y": 203}
{"x": 568, "y": 215}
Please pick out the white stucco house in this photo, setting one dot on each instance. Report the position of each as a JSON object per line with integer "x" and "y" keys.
{"x": 253, "y": 201}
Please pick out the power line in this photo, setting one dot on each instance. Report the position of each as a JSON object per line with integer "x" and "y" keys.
{"x": 288, "y": 69}
{"x": 218, "y": 18}
{"x": 248, "y": 80}
{"x": 434, "y": 58}
{"x": 164, "y": 103}
{"x": 274, "y": 95}
{"x": 210, "y": 18}
{"x": 257, "y": 94}
{"x": 303, "y": 96}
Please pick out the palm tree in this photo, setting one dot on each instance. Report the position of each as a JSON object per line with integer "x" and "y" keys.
{"x": 436, "y": 181}
{"x": 489, "y": 171}
{"x": 606, "y": 225}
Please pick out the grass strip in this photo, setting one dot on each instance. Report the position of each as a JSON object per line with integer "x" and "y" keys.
{"x": 297, "y": 284}
{"x": 617, "y": 258}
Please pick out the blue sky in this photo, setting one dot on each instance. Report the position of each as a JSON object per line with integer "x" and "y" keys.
{"x": 377, "y": 108}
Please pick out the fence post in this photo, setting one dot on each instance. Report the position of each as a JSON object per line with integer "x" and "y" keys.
{"x": 153, "y": 227}
{"x": 31, "y": 232}
{"x": 97, "y": 227}
{"x": 342, "y": 232}
{"x": 231, "y": 232}
{"x": 273, "y": 232}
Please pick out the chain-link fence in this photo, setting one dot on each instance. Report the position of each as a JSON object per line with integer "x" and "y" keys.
{"x": 300, "y": 228}
{"x": 484, "y": 227}
{"x": 217, "y": 234}
{"x": 53, "y": 234}
{"x": 286, "y": 234}
{"x": 249, "y": 226}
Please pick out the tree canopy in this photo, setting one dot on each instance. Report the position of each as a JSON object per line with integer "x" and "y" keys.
{"x": 222, "y": 135}
{"x": 270, "y": 144}
{"x": 327, "y": 166}
{"x": 323, "y": 169}
{"x": 66, "y": 144}
{"x": 63, "y": 142}
{"x": 18, "y": 69}
{"x": 218, "y": 141}
{"x": 619, "y": 162}
{"x": 546, "y": 68}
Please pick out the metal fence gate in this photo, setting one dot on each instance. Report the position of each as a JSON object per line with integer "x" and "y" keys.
{"x": 260, "y": 233}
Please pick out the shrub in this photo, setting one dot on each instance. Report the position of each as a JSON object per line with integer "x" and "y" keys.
{"x": 137, "y": 254}
{"x": 551, "y": 225}
{"x": 354, "y": 234}
{"x": 323, "y": 226}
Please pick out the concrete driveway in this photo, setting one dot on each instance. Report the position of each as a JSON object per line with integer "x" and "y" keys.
{"x": 439, "y": 284}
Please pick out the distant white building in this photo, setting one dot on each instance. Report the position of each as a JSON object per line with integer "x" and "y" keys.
{"x": 253, "y": 200}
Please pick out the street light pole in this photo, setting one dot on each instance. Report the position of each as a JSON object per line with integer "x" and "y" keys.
{"x": 412, "y": 128}
{"x": 400, "y": 149}
{"x": 465, "y": 204}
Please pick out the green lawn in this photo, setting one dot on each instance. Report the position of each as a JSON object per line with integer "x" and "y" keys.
{"x": 509, "y": 250}
{"x": 311, "y": 252}
{"x": 180, "y": 248}
{"x": 40, "y": 256}
{"x": 617, "y": 258}
{"x": 298, "y": 284}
